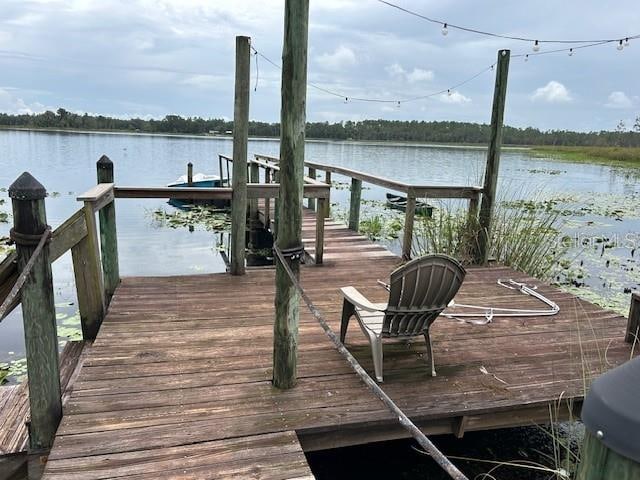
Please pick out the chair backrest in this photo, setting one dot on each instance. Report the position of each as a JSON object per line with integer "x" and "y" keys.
{"x": 419, "y": 291}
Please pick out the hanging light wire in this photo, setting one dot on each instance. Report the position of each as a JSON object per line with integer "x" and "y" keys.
{"x": 447, "y": 25}
{"x": 397, "y": 101}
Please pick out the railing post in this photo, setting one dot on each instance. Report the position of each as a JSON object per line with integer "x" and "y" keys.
{"x": 39, "y": 314}
{"x": 292, "y": 137}
{"x": 276, "y": 205}
{"x": 354, "y": 205}
{"x": 633, "y": 323}
{"x": 108, "y": 236}
{"x": 320, "y": 231}
{"x": 409, "y": 217}
{"x": 190, "y": 174}
{"x": 89, "y": 281}
{"x": 311, "y": 202}
{"x": 327, "y": 180}
{"x": 493, "y": 157}
{"x": 240, "y": 142}
{"x": 254, "y": 177}
{"x": 267, "y": 201}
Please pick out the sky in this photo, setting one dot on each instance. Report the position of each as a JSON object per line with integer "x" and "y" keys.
{"x": 150, "y": 58}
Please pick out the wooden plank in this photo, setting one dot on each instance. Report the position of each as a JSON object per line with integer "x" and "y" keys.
{"x": 99, "y": 196}
{"x": 187, "y": 193}
{"x": 67, "y": 235}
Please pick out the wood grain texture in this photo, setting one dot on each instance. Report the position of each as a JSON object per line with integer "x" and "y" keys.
{"x": 180, "y": 377}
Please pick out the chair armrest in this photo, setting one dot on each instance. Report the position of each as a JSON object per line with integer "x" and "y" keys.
{"x": 352, "y": 295}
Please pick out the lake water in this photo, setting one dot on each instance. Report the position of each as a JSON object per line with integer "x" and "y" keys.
{"x": 603, "y": 202}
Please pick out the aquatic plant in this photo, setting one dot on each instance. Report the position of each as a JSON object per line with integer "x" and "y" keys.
{"x": 207, "y": 217}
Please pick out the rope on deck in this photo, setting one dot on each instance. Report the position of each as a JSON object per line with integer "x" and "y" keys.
{"x": 24, "y": 240}
{"x": 404, "y": 421}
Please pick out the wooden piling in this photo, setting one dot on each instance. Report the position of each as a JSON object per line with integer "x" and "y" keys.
{"x": 327, "y": 180}
{"x": 240, "y": 142}
{"x": 633, "y": 323}
{"x": 190, "y": 174}
{"x": 254, "y": 177}
{"x": 320, "y": 231}
{"x": 409, "y": 218}
{"x": 598, "y": 462}
{"x": 311, "y": 202}
{"x": 108, "y": 235}
{"x": 354, "y": 204}
{"x": 493, "y": 157}
{"x": 38, "y": 312}
{"x": 292, "y": 137}
{"x": 267, "y": 201}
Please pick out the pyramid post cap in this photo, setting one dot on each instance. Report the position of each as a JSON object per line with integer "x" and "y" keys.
{"x": 26, "y": 187}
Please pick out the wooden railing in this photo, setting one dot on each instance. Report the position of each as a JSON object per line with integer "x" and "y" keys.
{"x": 413, "y": 192}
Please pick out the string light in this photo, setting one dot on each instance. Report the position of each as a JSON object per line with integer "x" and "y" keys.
{"x": 620, "y": 45}
{"x": 571, "y": 52}
{"x": 397, "y": 102}
{"x": 526, "y": 57}
{"x": 445, "y": 30}
{"x": 448, "y": 25}
{"x": 536, "y": 46}
{"x": 626, "y": 42}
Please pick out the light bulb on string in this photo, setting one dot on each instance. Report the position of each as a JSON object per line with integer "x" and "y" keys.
{"x": 445, "y": 30}
{"x": 536, "y": 46}
{"x": 449, "y": 92}
{"x": 398, "y": 105}
{"x": 626, "y": 42}
{"x": 571, "y": 52}
{"x": 346, "y": 99}
{"x": 526, "y": 57}
{"x": 620, "y": 45}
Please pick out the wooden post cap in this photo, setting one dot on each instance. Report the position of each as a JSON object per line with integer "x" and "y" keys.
{"x": 104, "y": 162}
{"x": 26, "y": 187}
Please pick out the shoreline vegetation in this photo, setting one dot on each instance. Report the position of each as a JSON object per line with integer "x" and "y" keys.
{"x": 628, "y": 156}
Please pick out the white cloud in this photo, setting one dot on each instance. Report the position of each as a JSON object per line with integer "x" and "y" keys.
{"x": 454, "y": 98}
{"x": 619, "y": 100}
{"x": 552, "y": 92}
{"x": 342, "y": 57}
{"x": 12, "y": 104}
{"x": 416, "y": 75}
{"x": 420, "y": 75}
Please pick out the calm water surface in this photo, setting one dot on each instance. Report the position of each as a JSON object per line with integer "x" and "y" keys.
{"x": 65, "y": 164}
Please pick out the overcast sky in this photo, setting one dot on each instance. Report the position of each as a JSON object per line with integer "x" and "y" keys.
{"x": 150, "y": 58}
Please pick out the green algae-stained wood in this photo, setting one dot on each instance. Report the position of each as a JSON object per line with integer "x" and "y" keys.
{"x": 292, "y": 136}
{"x": 39, "y": 314}
{"x": 409, "y": 219}
{"x": 354, "y": 204}
{"x": 240, "y": 141}
{"x": 88, "y": 275}
{"x": 601, "y": 463}
{"x": 493, "y": 156}
{"x": 327, "y": 180}
{"x": 108, "y": 235}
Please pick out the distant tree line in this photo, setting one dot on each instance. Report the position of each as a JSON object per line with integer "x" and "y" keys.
{"x": 417, "y": 131}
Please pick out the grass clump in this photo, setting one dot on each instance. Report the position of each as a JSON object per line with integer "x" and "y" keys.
{"x": 529, "y": 240}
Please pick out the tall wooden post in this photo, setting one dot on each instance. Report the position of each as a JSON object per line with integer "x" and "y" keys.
{"x": 409, "y": 219}
{"x": 254, "y": 177}
{"x": 292, "y": 136}
{"x": 633, "y": 322}
{"x": 267, "y": 201}
{"x": 493, "y": 156}
{"x": 190, "y": 174}
{"x": 240, "y": 141}
{"x": 354, "y": 204}
{"x": 327, "y": 180}
{"x": 38, "y": 311}
{"x": 108, "y": 236}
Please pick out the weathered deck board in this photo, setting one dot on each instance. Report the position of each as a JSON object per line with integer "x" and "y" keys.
{"x": 177, "y": 384}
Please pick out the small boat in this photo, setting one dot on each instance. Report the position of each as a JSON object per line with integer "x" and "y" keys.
{"x": 200, "y": 180}
{"x": 400, "y": 203}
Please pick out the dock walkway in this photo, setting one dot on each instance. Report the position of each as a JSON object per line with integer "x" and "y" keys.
{"x": 178, "y": 381}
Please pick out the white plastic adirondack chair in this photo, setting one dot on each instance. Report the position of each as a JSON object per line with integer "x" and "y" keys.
{"x": 418, "y": 292}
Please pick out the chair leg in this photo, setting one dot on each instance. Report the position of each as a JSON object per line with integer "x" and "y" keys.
{"x": 378, "y": 357}
{"x": 348, "y": 310}
{"x": 427, "y": 338}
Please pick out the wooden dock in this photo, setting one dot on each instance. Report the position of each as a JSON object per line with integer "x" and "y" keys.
{"x": 178, "y": 381}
